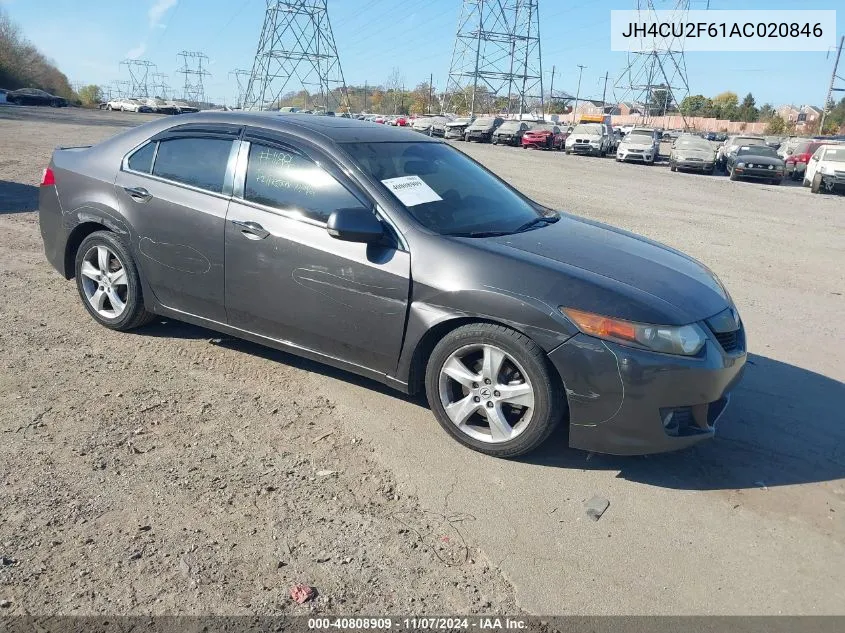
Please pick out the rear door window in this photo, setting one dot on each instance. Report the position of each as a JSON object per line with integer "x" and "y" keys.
{"x": 199, "y": 162}
{"x": 285, "y": 180}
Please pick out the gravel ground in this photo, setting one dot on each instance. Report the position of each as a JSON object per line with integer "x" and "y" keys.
{"x": 172, "y": 470}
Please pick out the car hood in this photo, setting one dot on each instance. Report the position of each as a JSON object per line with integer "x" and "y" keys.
{"x": 480, "y": 128}
{"x": 637, "y": 144}
{"x": 758, "y": 160}
{"x": 694, "y": 151}
{"x": 591, "y": 137}
{"x": 645, "y": 280}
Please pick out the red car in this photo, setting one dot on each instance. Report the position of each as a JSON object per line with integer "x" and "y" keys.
{"x": 796, "y": 163}
{"x": 544, "y": 136}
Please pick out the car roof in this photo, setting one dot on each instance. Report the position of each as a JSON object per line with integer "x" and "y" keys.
{"x": 314, "y": 127}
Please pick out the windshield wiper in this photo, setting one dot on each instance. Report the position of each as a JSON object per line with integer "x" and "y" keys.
{"x": 543, "y": 219}
{"x": 479, "y": 233}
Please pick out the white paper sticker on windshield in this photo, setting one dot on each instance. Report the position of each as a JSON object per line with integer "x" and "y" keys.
{"x": 411, "y": 190}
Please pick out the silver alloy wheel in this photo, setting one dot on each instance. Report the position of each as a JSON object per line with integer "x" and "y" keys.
{"x": 104, "y": 281}
{"x": 486, "y": 393}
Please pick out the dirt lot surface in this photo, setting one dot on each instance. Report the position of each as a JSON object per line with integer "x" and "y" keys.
{"x": 172, "y": 470}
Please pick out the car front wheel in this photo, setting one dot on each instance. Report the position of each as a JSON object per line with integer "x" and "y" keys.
{"x": 492, "y": 389}
{"x": 108, "y": 282}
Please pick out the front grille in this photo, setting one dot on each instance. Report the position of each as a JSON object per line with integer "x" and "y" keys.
{"x": 728, "y": 340}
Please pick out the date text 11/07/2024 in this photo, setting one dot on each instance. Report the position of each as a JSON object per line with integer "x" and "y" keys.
{"x": 486, "y": 623}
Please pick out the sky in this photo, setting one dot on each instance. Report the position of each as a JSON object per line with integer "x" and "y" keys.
{"x": 87, "y": 40}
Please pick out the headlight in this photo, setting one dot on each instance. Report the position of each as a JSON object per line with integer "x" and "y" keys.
{"x": 740, "y": 164}
{"x": 685, "y": 340}
{"x": 827, "y": 171}
{"x": 595, "y": 142}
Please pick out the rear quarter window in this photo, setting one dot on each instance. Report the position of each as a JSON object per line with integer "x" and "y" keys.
{"x": 199, "y": 162}
{"x": 142, "y": 159}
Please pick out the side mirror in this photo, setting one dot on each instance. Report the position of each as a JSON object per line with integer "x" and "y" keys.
{"x": 355, "y": 225}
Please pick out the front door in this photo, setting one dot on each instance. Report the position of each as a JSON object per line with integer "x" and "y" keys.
{"x": 289, "y": 280}
{"x": 176, "y": 204}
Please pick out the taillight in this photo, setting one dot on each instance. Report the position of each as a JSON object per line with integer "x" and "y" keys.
{"x": 802, "y": 158}
{"x": 48, "y": 179}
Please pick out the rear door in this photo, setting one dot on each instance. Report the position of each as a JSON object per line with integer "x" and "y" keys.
{"x": 174, "y": 190}
{"x": 288, "y": 279}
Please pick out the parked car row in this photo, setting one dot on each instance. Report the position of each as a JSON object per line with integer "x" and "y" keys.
{"x": 149, "y": 105}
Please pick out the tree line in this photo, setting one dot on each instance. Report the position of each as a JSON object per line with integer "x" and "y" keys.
{"x": 726, "y": 105}
{"x": 22, "y": 65}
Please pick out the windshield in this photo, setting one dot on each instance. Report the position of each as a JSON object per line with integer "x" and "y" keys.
{"x": 759, "y": 150}
{"x": 460, "y": 122}
{"x": 693, "y": 143}
{"x": 453, "y": 195}
{"x": 746, "y": 140}
{"x": 836, "y": 155}
{"x": 640, "y": 135}
{"x": 509, "y": 126}
{"x": 484, "y": 122}
{"x": 590, "y": 128}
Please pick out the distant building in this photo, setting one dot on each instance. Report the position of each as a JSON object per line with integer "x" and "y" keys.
{"x": 799, "y": 115}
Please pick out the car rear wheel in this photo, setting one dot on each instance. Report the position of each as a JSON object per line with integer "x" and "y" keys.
{"x": 491, "y": 389}
{"x": 108, "y": 282}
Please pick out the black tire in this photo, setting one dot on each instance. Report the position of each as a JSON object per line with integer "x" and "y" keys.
{"x": 134, "y": 315}
{"x": 567, "y": 152}
{"x": 732, "y": 174}
{"x": 549, "y": 404}
{"x": 673, "y": 167}
{"x": 776, "y": 181}
{"x": 816, "y": 185}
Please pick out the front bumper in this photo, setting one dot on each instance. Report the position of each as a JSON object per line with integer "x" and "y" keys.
{"x": 696, "y": 165}
{"x": 758, "y": 173}
{"x": 620, "y": 398}
{"x": 583, "y": 148}
{"x": 643, "y": 156}
{"x": 539, "y": 143}
{"x": 479, "y": 136}
{"x": 834, "y": 182}
{"x": 455, "y": 133}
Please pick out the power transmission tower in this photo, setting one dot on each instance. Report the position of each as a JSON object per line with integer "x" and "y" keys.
{"x": 832, "y": 88}
{"x": 296, "y": 49}
{"x": 496, "y": 53}
{"x": 192, "y": 68}
{"x": 656, "y": 74}
{"x": 118, "y": 89}
{"x": 160, "y": 86}
{"x": 241, "y": 80}
{"x": 139, "y": 74}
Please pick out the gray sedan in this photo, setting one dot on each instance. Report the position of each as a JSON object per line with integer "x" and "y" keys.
{"x": 395, "y": 256}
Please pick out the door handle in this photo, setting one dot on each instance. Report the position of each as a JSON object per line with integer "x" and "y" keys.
{"x": 251, "y": 230}
{"x": 138, "y": 193}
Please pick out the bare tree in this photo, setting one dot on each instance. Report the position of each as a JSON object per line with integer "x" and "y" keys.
{"x": 394, "y": 84}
